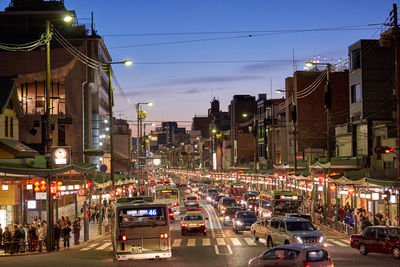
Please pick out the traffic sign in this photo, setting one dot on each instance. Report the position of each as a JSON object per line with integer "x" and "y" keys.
{"x": 81, "y": 192}
{"x": 103, "y": 168}
{"x": 112, "y": 194}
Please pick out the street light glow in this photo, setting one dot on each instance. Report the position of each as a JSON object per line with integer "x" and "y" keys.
{"x": 150, "y": 104}
{"x": 244, "y": 115}
{"x": 67, "y": 18}
{"x": 309, "y": 64}
{"x": 128, "y": 62}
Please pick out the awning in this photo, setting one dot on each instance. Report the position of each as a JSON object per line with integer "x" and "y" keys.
{"x": 18, "y": 149}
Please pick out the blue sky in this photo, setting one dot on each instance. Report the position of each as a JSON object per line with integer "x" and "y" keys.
{"x": 180, "y": 91}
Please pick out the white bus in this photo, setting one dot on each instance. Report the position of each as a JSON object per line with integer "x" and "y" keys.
{"x": 140, "y": 229}
{"x": 169, "y": 195}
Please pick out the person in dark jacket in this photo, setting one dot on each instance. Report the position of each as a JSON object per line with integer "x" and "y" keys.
{"x": 32, "y": 238}
{"x": 66, "y": 232}
{"x": 57, "y": 235}
{"x": 7, "y": 240}
{"x": 16, "y": 239}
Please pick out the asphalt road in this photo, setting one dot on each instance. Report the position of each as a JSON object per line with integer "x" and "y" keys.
{"x": 220, "y": 247}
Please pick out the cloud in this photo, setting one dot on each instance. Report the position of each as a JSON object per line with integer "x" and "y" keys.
{"x": 265, "y": 66}
{"x": 203, "y": 80}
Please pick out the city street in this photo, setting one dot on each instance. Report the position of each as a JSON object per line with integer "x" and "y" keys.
{"x": 221, "y": 247}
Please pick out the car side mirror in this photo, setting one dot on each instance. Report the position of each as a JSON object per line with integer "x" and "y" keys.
{"x": 206, "y": 218}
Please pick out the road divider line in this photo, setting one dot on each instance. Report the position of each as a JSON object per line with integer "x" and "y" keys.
{"x": 235, "y": 241}
{"x": 219, "y": 253}
{"x": 89, "y": 247}
{"x": 339, "y": 243}
{"x": 206, "y": 242}
{"x": 249, "y": 241}
{"x": 221, "y": 241}
{"x": 177, "y": 242}
{"x": 191, "y": 242}
{"x": 104, "y": 246}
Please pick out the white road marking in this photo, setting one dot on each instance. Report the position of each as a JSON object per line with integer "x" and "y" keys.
{"x": 104, "y": 246}
{"x": 206, "y": 242}
{"x": 218, "y": 253}
{"x": 249, "y": 241}
{"x": 235, "y": 241}
{"x": 339, "y": 243}
{"x": 221, "y": 241}
{"x": 177, "y": 242}
{"x": 89, "y": 247}
{"x": 191, "y": 242}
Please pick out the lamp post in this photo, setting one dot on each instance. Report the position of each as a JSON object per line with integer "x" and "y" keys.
{"x": 48, "y": 139}
{"x": 328, "y": 102}
{"x": 139, "y": 129}
{"x": 108, "y": 69}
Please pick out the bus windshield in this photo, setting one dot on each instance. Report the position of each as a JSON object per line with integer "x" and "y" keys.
{"x": 166, "y": 194}
{"x": 142, "y": 216}
{"x": 285, "y": 206}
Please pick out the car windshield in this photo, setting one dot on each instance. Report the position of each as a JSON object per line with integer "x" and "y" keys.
{"x": 246, "y": 215}
{"x": 299, "y": 226}
{"x": 228, "y": 201}
{"x": 193, "y": 218}
{"x": 394, "y": 232}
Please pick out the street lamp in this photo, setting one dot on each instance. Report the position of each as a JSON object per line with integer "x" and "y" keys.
{"x": 140, "y": 114}
{"x": 108, "y": 69}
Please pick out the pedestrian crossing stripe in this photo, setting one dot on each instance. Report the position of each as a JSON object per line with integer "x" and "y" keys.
{"x": 207, "y": 242}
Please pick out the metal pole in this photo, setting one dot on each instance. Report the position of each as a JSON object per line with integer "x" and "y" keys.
{"x": 328, "y": 147}
{"x": 111, "y": 104}
{"x": 48, "y": 141}
{"x": 76, "y": 205}
{"x": 56, "y": 209}
{"x": 137, "y": 150}
{"x": 101, "y": 216}
{"x": 21, "y": 205}
{"x": 49, "y": 242}
{"x": 397, "y": 87}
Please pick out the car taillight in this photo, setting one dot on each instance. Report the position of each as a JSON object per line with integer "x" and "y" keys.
{"x": 306, "y": 264}
{"x": 184, "y": 224}
{"x": 332, "y": 265}
{"x": 123, "y": 238}
{"x": 201, "y": 224}
{"x": 164, "y": 236}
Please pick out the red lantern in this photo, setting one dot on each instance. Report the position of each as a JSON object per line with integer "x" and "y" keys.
{"x": 43, "y": 188}
{"x": 59, "y": 183}
{"x": 276, "y": 175}
{"x": 310, "y": 185}
{"x": 42, "y": 182}
{"x": 37, "y": 189}
{"x": 37, "y": 183}
{"x": 320, "y": 178}
{"x": 131, "y": 186}
{"x": 333, "y": 188}
{"x": 351, "y": 191}
{"x": 53, "y": 188}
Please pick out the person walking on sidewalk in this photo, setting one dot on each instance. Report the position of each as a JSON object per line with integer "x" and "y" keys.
{"x": 23, "y": 239}
{"x": 76, "y": 226}
{"x": 57, "y": 235}
{"x": 62, "y": 225}
{"x": 32, "y": 238}
{"x": 66, "y": 232}
{"x": 16, "y": 239}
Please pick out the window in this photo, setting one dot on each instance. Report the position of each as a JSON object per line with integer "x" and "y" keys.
{"x": 381, "y": 233}
{"x": 281, "y": 254}
{"x": 275, "y": 224}
{"x": 6, "y": 127}
{"x": 356, "y": 93}
{"x": 11, "y": 127}
{"x": 317, "y": 255}
{"x": 355, "y": 62}
{"x": 370, "y": 232}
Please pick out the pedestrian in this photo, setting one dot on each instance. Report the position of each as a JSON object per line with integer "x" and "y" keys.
{"x": 341, "y": 212}
{"x": 40, "y": 236}
{"x": 22, "y": 240}
{"x": 16, "y": 239}
{"x": 66, "y": 232}
{"x": 32, "y": 238}
{"x": 44, "y": 225}
{"x": 7, "y": 240}
{"x": 1, "y": 235}
{"x": 62, "y": 225}
{"x": 76, "y": 230}
{"x": 57, "y": 235}
{"x": 68, "y": 222}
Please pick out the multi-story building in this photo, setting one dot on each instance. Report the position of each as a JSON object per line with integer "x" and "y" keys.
{"x": 242, "y": 109}
{"x": 79, "y": 94}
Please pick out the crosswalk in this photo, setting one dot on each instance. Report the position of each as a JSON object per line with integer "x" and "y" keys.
{"x": 209, "y": 242}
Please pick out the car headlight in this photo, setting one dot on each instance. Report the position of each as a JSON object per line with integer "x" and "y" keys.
{"x": 208, "y": 198}
{"x": 250, "y": 206}
{"x": 227, "y": 218}
{"x": 298, "y": 238}
{"x": 322, "y": 239}
{"x": 239, "y": 223}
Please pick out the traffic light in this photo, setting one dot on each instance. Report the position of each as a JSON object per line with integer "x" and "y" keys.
{"x": 383, "y": 149}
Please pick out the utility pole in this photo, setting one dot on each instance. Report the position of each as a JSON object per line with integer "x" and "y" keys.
{"x": 111, "y": 104}
{"x": 394, "y": 18}
{"x": 328, "y": 102}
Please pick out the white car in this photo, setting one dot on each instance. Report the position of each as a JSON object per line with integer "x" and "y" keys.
{"x": 259, "y": 229}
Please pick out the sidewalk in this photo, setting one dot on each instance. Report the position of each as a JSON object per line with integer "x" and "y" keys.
{"x": 92, "y": 237}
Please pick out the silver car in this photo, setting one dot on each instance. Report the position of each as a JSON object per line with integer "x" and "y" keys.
{"x": 286, "y": 230}
{"x": 293, "y": 255}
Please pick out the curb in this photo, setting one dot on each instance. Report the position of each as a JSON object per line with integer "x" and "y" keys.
{"x": 83, "y": 244}
{"x": 326, "y": 228}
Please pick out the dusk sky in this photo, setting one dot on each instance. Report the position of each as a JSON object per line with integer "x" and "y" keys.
{"x": 180, "y": 91}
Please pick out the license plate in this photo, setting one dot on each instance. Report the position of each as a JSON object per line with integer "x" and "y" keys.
{"x": 137, "y": 250}
{"x": 247, "y": 227}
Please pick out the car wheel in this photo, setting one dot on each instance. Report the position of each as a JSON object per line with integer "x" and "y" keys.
{"x": 270, "y": 244}
{"x": 396, "y": 253}
{"x": 287, "y": 242}
{"x": 255, "y": 237}
{"x": 363, "y": 249}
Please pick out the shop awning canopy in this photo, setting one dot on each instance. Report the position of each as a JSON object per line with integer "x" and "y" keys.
{"x": 18, "y": 149}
